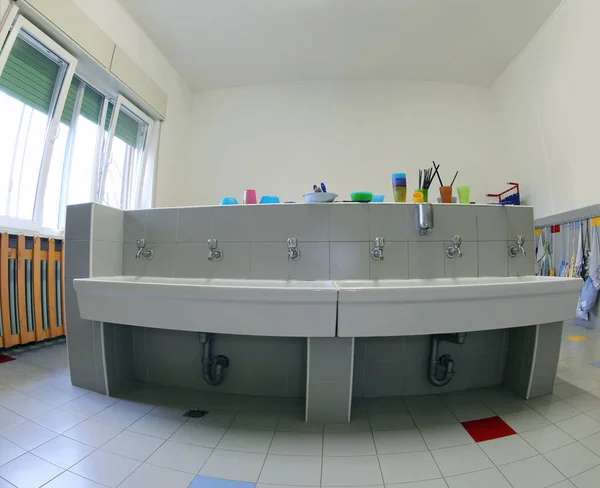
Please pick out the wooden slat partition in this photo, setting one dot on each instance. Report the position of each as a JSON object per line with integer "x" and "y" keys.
{"x": 21, "y": 254}
{"x": 25, "y": 335}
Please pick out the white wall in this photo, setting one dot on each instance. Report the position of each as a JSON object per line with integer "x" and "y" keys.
{"x": 281, "y": 139}
{"x": 112, "y": 18}
{"x": 549, "y": 105}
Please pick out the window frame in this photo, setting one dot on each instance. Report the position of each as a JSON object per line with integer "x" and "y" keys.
{"x": 21, "y": 24}
{"x": 124, "y": 102}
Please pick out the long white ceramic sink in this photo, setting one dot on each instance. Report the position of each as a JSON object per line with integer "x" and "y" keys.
{"x": 415, "y": 307}
{"x": 248, "y": 307}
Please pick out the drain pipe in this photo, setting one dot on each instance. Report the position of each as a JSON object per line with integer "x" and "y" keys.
{"x": 441, "y": 369}
{"x": 212, "y": 367}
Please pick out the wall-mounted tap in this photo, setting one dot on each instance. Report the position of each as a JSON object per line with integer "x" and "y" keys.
{"x": 142, "y": 251}
{"x": 517, "y": 248}
{"x": 214, "y": 254}
{"x": 377, "y": 251}
{"x": 454, "y": 250}
{"x": 293, "y": 251}
{"x": 424, "y": 218}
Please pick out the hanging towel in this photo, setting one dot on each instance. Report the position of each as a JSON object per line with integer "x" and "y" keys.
{"x": 594, "y": 272}
{"x": 579, "y": 257}
{"x": 539, "y": 255}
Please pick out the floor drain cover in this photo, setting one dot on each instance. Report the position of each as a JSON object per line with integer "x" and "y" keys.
{"x": 195, "y": 413}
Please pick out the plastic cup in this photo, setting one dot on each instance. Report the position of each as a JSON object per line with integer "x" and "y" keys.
{"x": 250, "y": 196}
{"x": 464, "y": 194}
{"x": 425, "y": 194}
{"x": 446, "y": 194}
{"x": 418, "y": 197}
{"x": 378, "y": 198}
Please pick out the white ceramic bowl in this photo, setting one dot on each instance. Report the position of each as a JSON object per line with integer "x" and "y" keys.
{"x": 320, "y": 197}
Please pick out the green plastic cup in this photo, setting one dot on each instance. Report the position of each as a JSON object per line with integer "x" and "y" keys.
{"x": 425, "y": 194}
{"x": 464, "y": 193}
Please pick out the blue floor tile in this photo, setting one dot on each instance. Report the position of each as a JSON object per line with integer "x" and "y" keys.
{"x": 596, "y": 364}
{"x": 208, "y": 482}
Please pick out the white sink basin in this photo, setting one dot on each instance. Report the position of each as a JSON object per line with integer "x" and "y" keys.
{"x": 417, "y": 307}
{"x": 248, "y": 307}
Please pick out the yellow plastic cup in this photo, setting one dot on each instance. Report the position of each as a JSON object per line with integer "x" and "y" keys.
{"x": 418, "y": 197}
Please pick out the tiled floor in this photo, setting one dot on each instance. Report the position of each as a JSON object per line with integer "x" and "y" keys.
{"x": 58, "y": 436}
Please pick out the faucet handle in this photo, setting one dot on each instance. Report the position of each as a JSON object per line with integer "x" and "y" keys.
{"x": 456, "y": 240}
{"x": 379, "y": 242}
{"x": 141, "y": 243}
{"x": 520, "y": 240}
{"x": 292, "y": 242}
{"x": 212, "y": 243}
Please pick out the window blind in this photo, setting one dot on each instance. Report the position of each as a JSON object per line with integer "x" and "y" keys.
{"x": 127, "y": 127}
{"x": 29, "y": 76}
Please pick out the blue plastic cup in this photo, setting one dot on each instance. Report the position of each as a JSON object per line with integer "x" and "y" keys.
{"x": 229, "y": 201}
{"x": 378, "y": 198}
{"x": 269, "y": 199}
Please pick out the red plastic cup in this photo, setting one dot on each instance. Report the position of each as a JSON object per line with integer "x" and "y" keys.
{"x": 250, "y": 196}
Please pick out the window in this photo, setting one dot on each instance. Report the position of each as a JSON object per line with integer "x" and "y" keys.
{"x": 63, "y": 140}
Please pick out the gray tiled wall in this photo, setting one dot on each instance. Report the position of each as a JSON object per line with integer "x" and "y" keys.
{"x": 274, "y": 366}
{"x": 334, "y": 240}
{"x": 392, "y": 366}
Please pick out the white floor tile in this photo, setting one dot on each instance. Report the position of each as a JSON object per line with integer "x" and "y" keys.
{"x": 471, "y": 411}
{"x": 412, "y": 466}
{"x": 199, "y": 435}
{"x": 234, "y": 465}
{"x": 148, "y": 476}
{"x": 285, "y": 470}
{"x": 92, "y": 433}
{"x": 29, "y": 471}
{"x": 488, "y": 478}
{"x": 348, "y": 444}
{"x": 133, "y": 445}
{"x": 573, "y": 459}
{"x": 30, "y": 408}
{"x": 216, "y": 417}
{"x": 587, "y": 384}
{"x": 9, "y": 419}
{"x": 580, "y": 426}
{"x": 156, "y": 426}
{"x": 542, "y": 400}
{"x": 421, "y": 484}
{"x": 9, "y": 451}
{"x": 453, "y": 461}
{"x": 390, "y": 421}
{"x": 181, "y": 457}
{"x": 399, "y": 441}
{"x": 29, "y": 435}
{"x": 432, "y": 418}
{"x": 584, "y": 402}
{"x": 507, "y": 449}
{"x": 105, "y": 468}
{"x": 59, "y": 396}
{"x": 589, "y": 479}
{"x": 71, "y": 480}
{"x": 557, "y": 411}
{"x": 564, "y": 484}
{"x": 297, "y": 443}
{"x": 10, "y": 396}
{"x": 253, "y": 420}
{"x": 59, "y": 420}
{"x": 118, "y": 415}
{"x": 89, "y": 404}
{"x": 446, "y": 436}
{"x": 525, "y": 420}
{"x": 358, "y": 424}
{"x": 175, "y": 413}
{"x": 246, "y": 440}
{"x": 296, "y": 423}
{"x": 566, "y": 390}
{"x": 63, "y": 452}
{"x": 535, "y": 472}
{"x": 351, "y": 471}
{"x": 547, "y": 438}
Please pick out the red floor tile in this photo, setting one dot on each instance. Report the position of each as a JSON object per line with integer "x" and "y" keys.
{"x": 5, "y": 359}
{"x": 488, "y": 429}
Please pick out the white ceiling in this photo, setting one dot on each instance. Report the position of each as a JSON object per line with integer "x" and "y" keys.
{"x": 222, "y": 43}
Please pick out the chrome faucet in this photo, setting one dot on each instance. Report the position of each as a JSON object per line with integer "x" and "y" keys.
{"x": 377, "y": 251}
{"x": 517, "y": 248}
{"x": 293, "y": 251}
{"x": 142, "y": 251}
{"x": 454, "y": 250}
{"x": 213, "y": 252}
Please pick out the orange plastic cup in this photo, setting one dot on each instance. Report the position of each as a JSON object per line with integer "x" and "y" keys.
{"x": 446, "y": 194}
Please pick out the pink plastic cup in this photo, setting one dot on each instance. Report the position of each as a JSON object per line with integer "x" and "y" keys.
{"x": 250, "y": 196}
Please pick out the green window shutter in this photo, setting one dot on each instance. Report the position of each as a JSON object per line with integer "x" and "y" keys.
{"x": 29, "y": 76}
{"x": 127, "y": 127}
{"x": 91, "y": 105}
